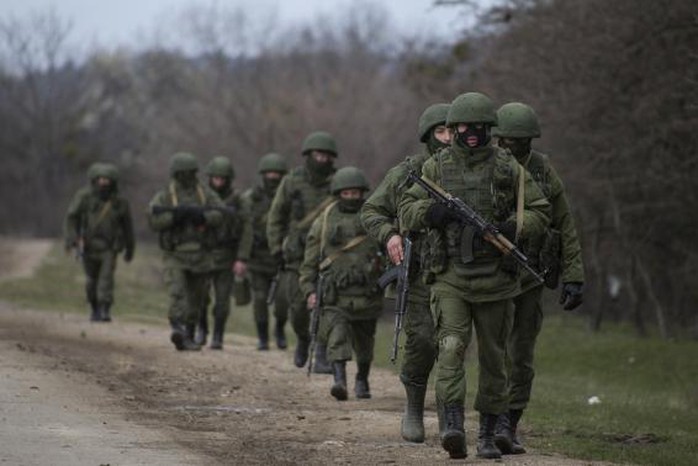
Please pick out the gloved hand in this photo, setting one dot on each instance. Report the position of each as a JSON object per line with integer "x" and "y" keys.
{"x": 508, "y": 229}
{"x": 572, "y": 295}
{"x": 438, "y": 215}
{"x": 128, "y": 255}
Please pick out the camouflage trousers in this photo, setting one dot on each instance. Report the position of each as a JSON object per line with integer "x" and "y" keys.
{"x": 345, "y": 336}
{"x": 221, "y": 282}
{"x": 528, "y": 320}
{"x": 298, "y": 310}
{"x": 261, "y": 282}
{"x": 420, "y": 343}
{"x": 99, "y": 270}
{"x": 187, "y": 292}
{"x": 454, "y": 319}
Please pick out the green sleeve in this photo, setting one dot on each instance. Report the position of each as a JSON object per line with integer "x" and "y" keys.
{"x": 278, "y": 219}
{"x": 537, "y": 210}
{"x": 162, "y": 221}
{"x": 127, "y": 228}
{"x": 246, "y": 237}
{"x": 309, "y": 267}
{"x": 71, "y": 222}
{"x": 562, "y": 220}
{"x": 415, "y": 201}
{"x": 379, "y": 212}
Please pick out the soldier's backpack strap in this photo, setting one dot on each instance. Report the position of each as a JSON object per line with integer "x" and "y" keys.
{"x": 312, "y": 215}
{"x": 323, "y": 230}
{"x": 175, "y": 200}
{"x": 350, "y": 245}
{"x": 520, "y": 203}
{"x": 102, "y": 214}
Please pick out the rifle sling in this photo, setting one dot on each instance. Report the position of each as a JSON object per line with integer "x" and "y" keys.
{"x": 350, "y": 245}
{"x": 312, "y": 215}
{"x": 520, "y": 204}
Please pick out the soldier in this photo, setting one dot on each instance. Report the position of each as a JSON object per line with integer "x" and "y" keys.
{"x": 254, "y": 249}
{"x": 182, "y": 214}
{"x": 379, "y": 216}
{"x": 98, "y": 225}
{"x": 517, "y": 126}
{"x": 350, "y": 262}
{"x": 223, "y": 244}
{"x": 473, "y": 285}
{"x": 303, "y": 194}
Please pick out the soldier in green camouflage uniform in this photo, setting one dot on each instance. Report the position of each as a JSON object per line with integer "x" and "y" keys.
{"x": 254, "y": 249}
{"x": 99, "y": 226}
{"x": 473, "y": 285}
{"x": 222, "y": 243}
{"x": 350, "y": 262}
{"x": 517, "y": 125}
{"x": 303, "y": 194}
{"x": 379, "y": 217}
{"x": 182, "y": 214}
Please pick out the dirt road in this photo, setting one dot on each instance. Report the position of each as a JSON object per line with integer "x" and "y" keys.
{"x": 78, "y": 393}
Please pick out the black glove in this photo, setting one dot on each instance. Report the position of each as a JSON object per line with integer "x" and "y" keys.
{"x": 572, "y": 295}
{"x": 438, "y": 216}
{"x": 508, "y": 229}
{"x": 128, "y": 255}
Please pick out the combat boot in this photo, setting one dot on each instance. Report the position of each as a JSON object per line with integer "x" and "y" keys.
{"x": 321, "y": 365}
{"x": 105, "y": 312}
{"x": 412, "y": 426}
{"x": 361, "y": 388}
{"x": 202, "y": 329}
{"x": 218, "y": 331}
{"x": 514, "y": 417}
{"x": 181, "y": 339}
{"x": 453, "y": 434}
{"x": 95, "y": 315}
{"x": 485, "y": 439}
{"x": 339, "y": 388}
{"x": 263, "y": 335}
{"x": 280, "y": 335}
{"x": 301, "y": 355}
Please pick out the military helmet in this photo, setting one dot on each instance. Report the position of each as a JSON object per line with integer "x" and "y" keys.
{"x": 516, "y": 120}
{"x": 471, "y": 107}
{"x": 434, "y": 115}
{"x": 183, "y": 162}
{"x": 103, "y": 170}
{"x": 94, "y": 169}
{"x": 348, "y": 178}
{"x": 272, "y": 162}
{"x": 111, "y": 171}
{"x": 319, "y": 140}
{"x": 220, "y": 166}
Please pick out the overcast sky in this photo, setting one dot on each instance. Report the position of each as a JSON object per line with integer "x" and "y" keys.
{"x": 110, "y": 22}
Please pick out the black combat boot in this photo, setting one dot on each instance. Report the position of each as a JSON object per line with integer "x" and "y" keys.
{"x": 202, "y": 328}
{"x": 95, "y": 314}
{"x": 514, "y": 417}
{"x": 218, "y": 331}
{"x": 105, "y": 312}
{"x": 412, "y": 426}
{"x": 453, "y": 434}
{"x": 301, "y": 355}
{"x": 280, "y": 335}
{"x": 485, "y": 439}
{"x": 181, "y": 337}
{"x": 339, "y": 388}
{"x": 263, "y": 335}
{"x": 321, "y": 365}
{"x": 361, "y": 388}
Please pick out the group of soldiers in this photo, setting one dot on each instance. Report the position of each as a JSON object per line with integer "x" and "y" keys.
{"x": 308, "y": 241}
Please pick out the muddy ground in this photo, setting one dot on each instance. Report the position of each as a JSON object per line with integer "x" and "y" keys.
{"x": 79, "y": 393}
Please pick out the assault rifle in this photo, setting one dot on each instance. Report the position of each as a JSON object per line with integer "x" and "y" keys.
{"x": 271, "y": 295}
{"x": 401, "y": 274}
{"x": 315, "y": 320}
{"x": 189, "y": 211}
{"x": 466, "y": 214}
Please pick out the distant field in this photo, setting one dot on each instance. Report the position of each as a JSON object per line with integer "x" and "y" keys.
{"x": 648, "y": 388}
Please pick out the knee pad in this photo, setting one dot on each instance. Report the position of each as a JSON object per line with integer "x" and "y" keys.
{"x": 451, "y": 351}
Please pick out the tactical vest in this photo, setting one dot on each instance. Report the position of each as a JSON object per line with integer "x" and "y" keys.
{"x": 352, "y": 275}
{"x": 537, "y": 165}
{"x": 259, "y": 204}
{"x": 227, "y": 235}
{"x": 184, "y": 236}
{"x": 489, "y": 188}
{"x": 101, "y": 223}
{"x": 305, "y": 198}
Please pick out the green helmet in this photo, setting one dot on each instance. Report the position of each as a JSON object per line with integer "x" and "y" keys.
{"x": 348, "y": 178}
{"x": 112, "y": 172}
{"x": 94, "y": 169}
{"x": 516, "y": 120}
{"x": 220, "y": 166}
{"x": 183, "y": 162}
{"x": 434, "y": 115}
{"x": 471, "y": 107}
{"x": 272, "y": 163}
{"x": 319, "y": 140}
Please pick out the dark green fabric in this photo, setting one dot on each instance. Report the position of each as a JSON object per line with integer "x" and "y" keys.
{"x": 254, "y": 248}
{"x": 346, "y": 336}
{"x": 99, "y": 270}
{"x": 260, "y": 290}
{"x": 187, "y": 291}
{"x": 221, "y": 283}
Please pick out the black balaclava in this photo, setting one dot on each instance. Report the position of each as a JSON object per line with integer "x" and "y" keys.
{"x": 270, "y": 184}
{"x": 350, "y": 206}
{"x": 224, "y": 190}
{"x": 104, "y": 192}
{"x": 519, "y": 147}
{"x": 482, "y": 134}
{"x": 433, "y": 144}
{"x": 187, "y": 179}
{"x": 322, "y": 170}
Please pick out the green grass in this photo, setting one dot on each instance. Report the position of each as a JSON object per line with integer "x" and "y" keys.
{"x": 648, "y": 387}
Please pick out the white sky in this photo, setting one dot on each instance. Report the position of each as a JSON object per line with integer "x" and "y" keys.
{"x": 122, "y": 22}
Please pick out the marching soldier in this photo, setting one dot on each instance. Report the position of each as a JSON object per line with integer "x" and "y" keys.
{"x": 303, "y": 194}
{"x": 182, "y": 215}
{"x": 254, "y": 250}
{"x": 379, "y": 216}
{"x": 350, "y": 262}
{"x": 98, "y": 225}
